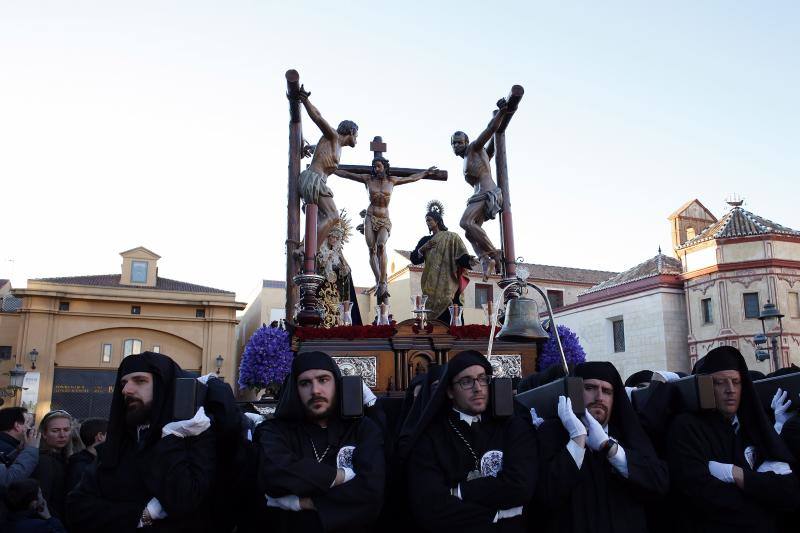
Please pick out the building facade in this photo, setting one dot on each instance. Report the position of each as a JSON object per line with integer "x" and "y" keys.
{"x": 669, "y": 311}
{"x": 731, "y": 269}
{"x": 81, "y": 327}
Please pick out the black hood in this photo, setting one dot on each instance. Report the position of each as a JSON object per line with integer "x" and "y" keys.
{"x": 164, "y": 371}
{"x": 623, "y": 423}
{"x": 290, "y": 408}
{"x": 751, "y": 415}
{"x": 439, "y": 402}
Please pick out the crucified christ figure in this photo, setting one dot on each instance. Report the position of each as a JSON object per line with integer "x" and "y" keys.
{"x": 487, "y": 199}
{"x": 377, "y": 225}
{"x": 312, "y": 181}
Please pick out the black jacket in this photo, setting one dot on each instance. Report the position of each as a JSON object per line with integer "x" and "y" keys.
{"x": 76, "y": 465}
{"x": 51, "y": 472}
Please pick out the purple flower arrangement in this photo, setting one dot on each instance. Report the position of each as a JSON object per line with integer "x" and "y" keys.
{"x": 267, "y": 359}
{"x": 572, "y": 349}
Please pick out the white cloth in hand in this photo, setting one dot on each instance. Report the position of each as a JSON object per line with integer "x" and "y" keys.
{"x": 571, "y": 423}
{"x": 535, "y": 419}
{"x": 369, "y": 396}
{"x": 204, "y": 379}
{"x": 188, "y": 428}
{"x": 721, "y": 471}
{"x": 780, "y": 405}
{"x": 776, "y": 467}
{"x": 597, "y": 435}
{"x": 507, "y": 513}
{"x": 287, "y": 503}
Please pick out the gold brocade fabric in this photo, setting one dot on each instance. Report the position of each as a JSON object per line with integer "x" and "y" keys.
{"x": 328, "y": 298}
{"x": 440, "y": 273}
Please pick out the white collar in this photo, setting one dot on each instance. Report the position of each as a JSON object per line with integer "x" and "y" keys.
{"x": 735, "y": 423}
{"x": 469, "y": 419}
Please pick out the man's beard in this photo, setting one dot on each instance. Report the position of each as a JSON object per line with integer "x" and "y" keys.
{"x": 318, "y": 415}
{"x": 136, "y": 412}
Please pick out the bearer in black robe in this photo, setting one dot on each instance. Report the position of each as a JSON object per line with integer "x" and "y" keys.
{"x": 151, "y": 472}
{"x": 729, "y": 464}
{"x": 468, "y": 471}
{"x": 597, "y": 471}
{"x": 317, "y": 470}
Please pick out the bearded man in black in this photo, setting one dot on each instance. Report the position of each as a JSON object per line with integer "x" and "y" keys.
{"x": 151, "y": 472}
{"x": 598, "y": 470}
{"x": 319, "y": 471}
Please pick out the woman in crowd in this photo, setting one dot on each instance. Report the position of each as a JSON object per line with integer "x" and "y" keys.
{"x": 54, "y": 450}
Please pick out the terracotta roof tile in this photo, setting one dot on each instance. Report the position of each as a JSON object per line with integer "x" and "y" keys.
{"x": 113, "y": 280}
{"x": 655, "y": 266}
{"x": 553, "y": 273}
{"x": 739, "y": 222}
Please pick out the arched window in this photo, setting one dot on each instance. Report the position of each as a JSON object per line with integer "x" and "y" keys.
{"x": 131, "y": 347}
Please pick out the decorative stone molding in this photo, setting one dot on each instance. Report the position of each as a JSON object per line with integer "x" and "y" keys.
{"x": 366, "y": 367}
{"x": 506, "y": 366}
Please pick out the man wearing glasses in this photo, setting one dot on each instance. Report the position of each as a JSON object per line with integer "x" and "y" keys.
{"x": 467, "y": 470}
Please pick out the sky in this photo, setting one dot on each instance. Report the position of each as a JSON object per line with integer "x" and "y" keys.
{"x": 164, "y": 124}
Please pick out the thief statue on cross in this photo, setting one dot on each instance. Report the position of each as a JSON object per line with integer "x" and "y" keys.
{"x": 380, "y": 183}
{"x": 487, "y": 199}
{"x": 312, "y": 182}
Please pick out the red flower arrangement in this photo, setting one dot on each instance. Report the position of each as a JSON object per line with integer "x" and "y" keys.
{"x": 472, "y": 331}
{"x": 345, "y": 332}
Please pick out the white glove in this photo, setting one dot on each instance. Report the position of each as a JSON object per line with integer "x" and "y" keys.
{"x": 204, "y": 379}
{"x": 188, "y": 428}
{"x": 721, "y": 471}
{"x": 155, "y": 509}
{"x": 776, "y": 467}
{"x": 667, "y": 375}
{"x": 287, "y": 503}
{"x": 507, "y": 513}
{"x": 571, "y": 423}
{"x": 535, "y": 418}
{"x": 628, "y": 391}
{"x": 597, "y": 435}
{"x": 780, "y": 404}
{"x": 369, "y": 396}
{"x": 750, "y": 455}
{"x": 255, "y": 418}
{"x": 348, "y": 474}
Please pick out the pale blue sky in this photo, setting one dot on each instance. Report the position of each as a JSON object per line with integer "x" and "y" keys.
{"x": 164, "y": 124}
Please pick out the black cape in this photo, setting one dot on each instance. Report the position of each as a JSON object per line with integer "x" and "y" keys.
{"x": 596, "y": 498}
{"x": 697, "y": 438}
{"x": 179, "y": 472}
{"x": 288, "y": 461}
{"x": 439, "y": 461}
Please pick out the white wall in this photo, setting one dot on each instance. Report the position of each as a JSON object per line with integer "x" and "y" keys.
{"x": 655, "y": 331}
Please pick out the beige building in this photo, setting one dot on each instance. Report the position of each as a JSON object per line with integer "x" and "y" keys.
{"x": 636, "y": 319}
{"x": 731, "y": 269}
{"x": 83, "y": 326}
{"x": 563, "y": 284}
{"x": 668, "y": 311}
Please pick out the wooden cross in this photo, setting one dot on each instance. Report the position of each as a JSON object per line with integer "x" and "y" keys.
{"x": 378, "y": 147}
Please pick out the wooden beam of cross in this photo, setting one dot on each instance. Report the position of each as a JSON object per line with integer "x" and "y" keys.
{"x": 378, "y": 147}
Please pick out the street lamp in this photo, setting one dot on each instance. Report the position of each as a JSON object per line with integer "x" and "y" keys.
{"x": 769, "y": 315}
{"x": 219, "y": 360}
{"x": 17, "y": 375}
{"x": 33, "y": 355}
